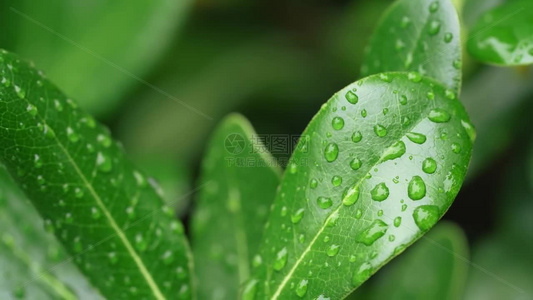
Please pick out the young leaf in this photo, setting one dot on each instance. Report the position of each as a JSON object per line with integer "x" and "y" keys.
{"x": 379, "y": 165}
{"x": 241, "y": 181}
{"x": 33, "y": 263}
{"x": 101, "y": 208}
{"x": 92, "y": 48}
{"x": 504, "y": 35}
{"x": 421, "y": 36}
{"x": 434, "y": 268}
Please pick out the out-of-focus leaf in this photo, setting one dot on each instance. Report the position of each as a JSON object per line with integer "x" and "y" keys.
{"x": 171, "y": 179}
{"x": 231, "y": 212}
{"x": 34, "y": 266}
{"x": 502, "y": 263}
{"x": 433, "y": 268}
{"x": 503, "y": 272}
{"x": 504, "y": 35}
{"x": 418, "y": 35}
{"x": 498, "y": 103}
{"x": 257, "y": 67}
{"x": 350, "y": 32}
{"x": 94, "y": 49}
{"x": 99, "y": 205}
{"x": 376, "y": 168}
{"x": 473, "y": 9}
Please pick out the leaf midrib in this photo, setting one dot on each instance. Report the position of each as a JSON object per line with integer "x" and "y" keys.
{"x": 308, "y": 248}
{"x": 138, "y": 261}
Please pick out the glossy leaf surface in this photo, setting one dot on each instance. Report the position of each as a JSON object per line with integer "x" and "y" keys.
{"x": 103, "y": 210}
{"x": 34, "y": 265}
{"x": 421, "y": 36}
{"x": 240, "y": 179}
{"x": 433, "y": 268}
{"x": 378, "y": 166}
{"x": 504, "y": 35}
{"x": 93, "y": 50}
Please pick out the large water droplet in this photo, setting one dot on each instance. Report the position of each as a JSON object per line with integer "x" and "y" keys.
{"x": 324, "y": 202}
{"x": 434, "y": 27}
{"x": 380, "y": 192}
{"x": 397, "y": 221}
{"x": 301, "y": 288}
{"x": 429, "y": 165}
{"x": 281, "y": 259}
{"x": 72, "y": 136}
{"x": 394, "y": 151}
{"x": 331, "y": 152}
{"x": 405, "y": 22}
{"x": 337, "y": 123}
{"x": 20, "y": 92}
{"x": 336, "y": 180}
{"x": 426, "y": 216}
{"x": 456, "y": 148}
{"x": 434, "y": 7}
{"x": 448, "y": 37}
{"x": 357, "y": 137}
{"x": 250, "y": 290}
{"x": 352, "y": 97}
{"x": 333, "y": 250}
{"x": 376, "y": 230}
{"x": 297, "y": 216}
{"x": 438, "y": 115}
{"x": 113, "y": 258}
{"x": 417, "y": 188}
{"x": 469, "y": 130}
{"x": 350, "y": 196}
{"x": 140, "y": 243}
{"x": 103, "y": 162}
{"x": 95, "y": 213}
{"x": 362, "y": 274}
{"x": 414, "y": 76}
{"x": 32, "y": 110}
{"x": 313, "y": 183}
{"x": 417, "y": 138}
{"x": 355, "y": 164}
{"x": 104, "y": 140}
{"x": 380, "y": 130}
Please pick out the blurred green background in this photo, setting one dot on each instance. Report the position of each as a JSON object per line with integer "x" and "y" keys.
{"x": 162, "y": 73}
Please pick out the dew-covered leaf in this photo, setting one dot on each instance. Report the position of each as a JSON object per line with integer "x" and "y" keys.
{"x": 377, "y": 167}
{"x": 102, "y": 209}
{"x": 421, "y": 36}
{"x": 504, "y": 35}
{"x": 94, "y": 50}
{"x": 34, "y": 265}
{"x": 240, "y": 181}
{"x": 433, "y": 268}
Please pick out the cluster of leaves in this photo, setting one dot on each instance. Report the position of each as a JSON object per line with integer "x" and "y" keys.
{"x": 375, "y": 169}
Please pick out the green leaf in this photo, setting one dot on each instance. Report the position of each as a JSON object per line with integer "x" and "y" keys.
{"x": 379, "y": 165}
{"x": 97, "y": 50}
{"x": 33, "y": 263}
{"x": 434, "y": 268}
{"x": 504, "y": 35}
{"x": 497, "y": 101}
{"x": 504, "y": 270}
{"x": 421, "y": 36}
{"x": 241, "y": 181}
{"x": 100, "y": 206}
